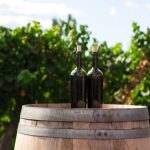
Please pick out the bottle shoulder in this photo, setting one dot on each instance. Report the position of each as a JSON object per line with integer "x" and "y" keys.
{"x": 95, "y": 72}
{"x": 78, "y": 72}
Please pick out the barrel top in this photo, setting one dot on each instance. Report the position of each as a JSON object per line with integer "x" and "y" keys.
{"x": 63, "y": 112}
{"x": 68, "y": 106}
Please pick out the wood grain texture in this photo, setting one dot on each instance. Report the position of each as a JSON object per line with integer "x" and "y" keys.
{"x": 129, "y": 144}
{"x": 27, "y": 142}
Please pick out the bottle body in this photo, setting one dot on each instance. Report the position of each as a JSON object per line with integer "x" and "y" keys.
{"x": 95, "y": 84}
{"x": 78, "y": 89}
{"x": 95, "y": 88}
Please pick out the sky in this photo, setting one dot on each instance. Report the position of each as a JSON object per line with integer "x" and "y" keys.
{"x": 108, "y": 20}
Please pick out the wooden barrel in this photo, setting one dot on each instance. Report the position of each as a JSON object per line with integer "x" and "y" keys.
{"x": 57, "y": 127}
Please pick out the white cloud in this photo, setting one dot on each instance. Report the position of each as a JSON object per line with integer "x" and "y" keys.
{"x": 131, "y": 4}
{"x": 19, "y": 20}
{"x": 21, "y": 11}
{"x": 13, "y": 21}
{"x": 27, "y": 7}
{"x": 113, "y": 11}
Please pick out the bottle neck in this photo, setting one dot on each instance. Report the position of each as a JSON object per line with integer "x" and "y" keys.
{"x": 79, "y": 59}
{"x": 95, "y": 60}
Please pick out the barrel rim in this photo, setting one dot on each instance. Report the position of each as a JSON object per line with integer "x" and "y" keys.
{"x": 83, "y": 115}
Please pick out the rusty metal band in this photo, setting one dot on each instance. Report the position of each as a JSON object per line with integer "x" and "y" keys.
{"x": 84, "y": 115}
{"x": 85, "y": 134}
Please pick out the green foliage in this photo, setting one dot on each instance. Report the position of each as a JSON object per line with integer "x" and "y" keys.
{"x": 25, "y": 77}
{"x": 140, "y": 51}
{"x": 114, "y": 65}
{"x": 141, "y": 94}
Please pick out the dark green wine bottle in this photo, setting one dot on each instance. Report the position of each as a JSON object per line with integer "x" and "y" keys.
{"x": 78, "y": 83}
{"x": 95, "y": 83}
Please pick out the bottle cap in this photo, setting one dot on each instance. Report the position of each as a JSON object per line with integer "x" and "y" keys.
{"x": 95, "y": 47}
{"x": 78, "y": 48}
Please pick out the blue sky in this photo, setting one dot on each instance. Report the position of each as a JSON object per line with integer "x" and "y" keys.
{"x": 108, "y": 20}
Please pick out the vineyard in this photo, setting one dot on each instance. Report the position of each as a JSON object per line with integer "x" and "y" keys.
{"x": 35, "y": 65}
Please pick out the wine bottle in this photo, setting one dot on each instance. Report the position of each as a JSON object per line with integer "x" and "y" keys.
{"x": 78, "y": 83}
{"x": 95, "y": 83}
